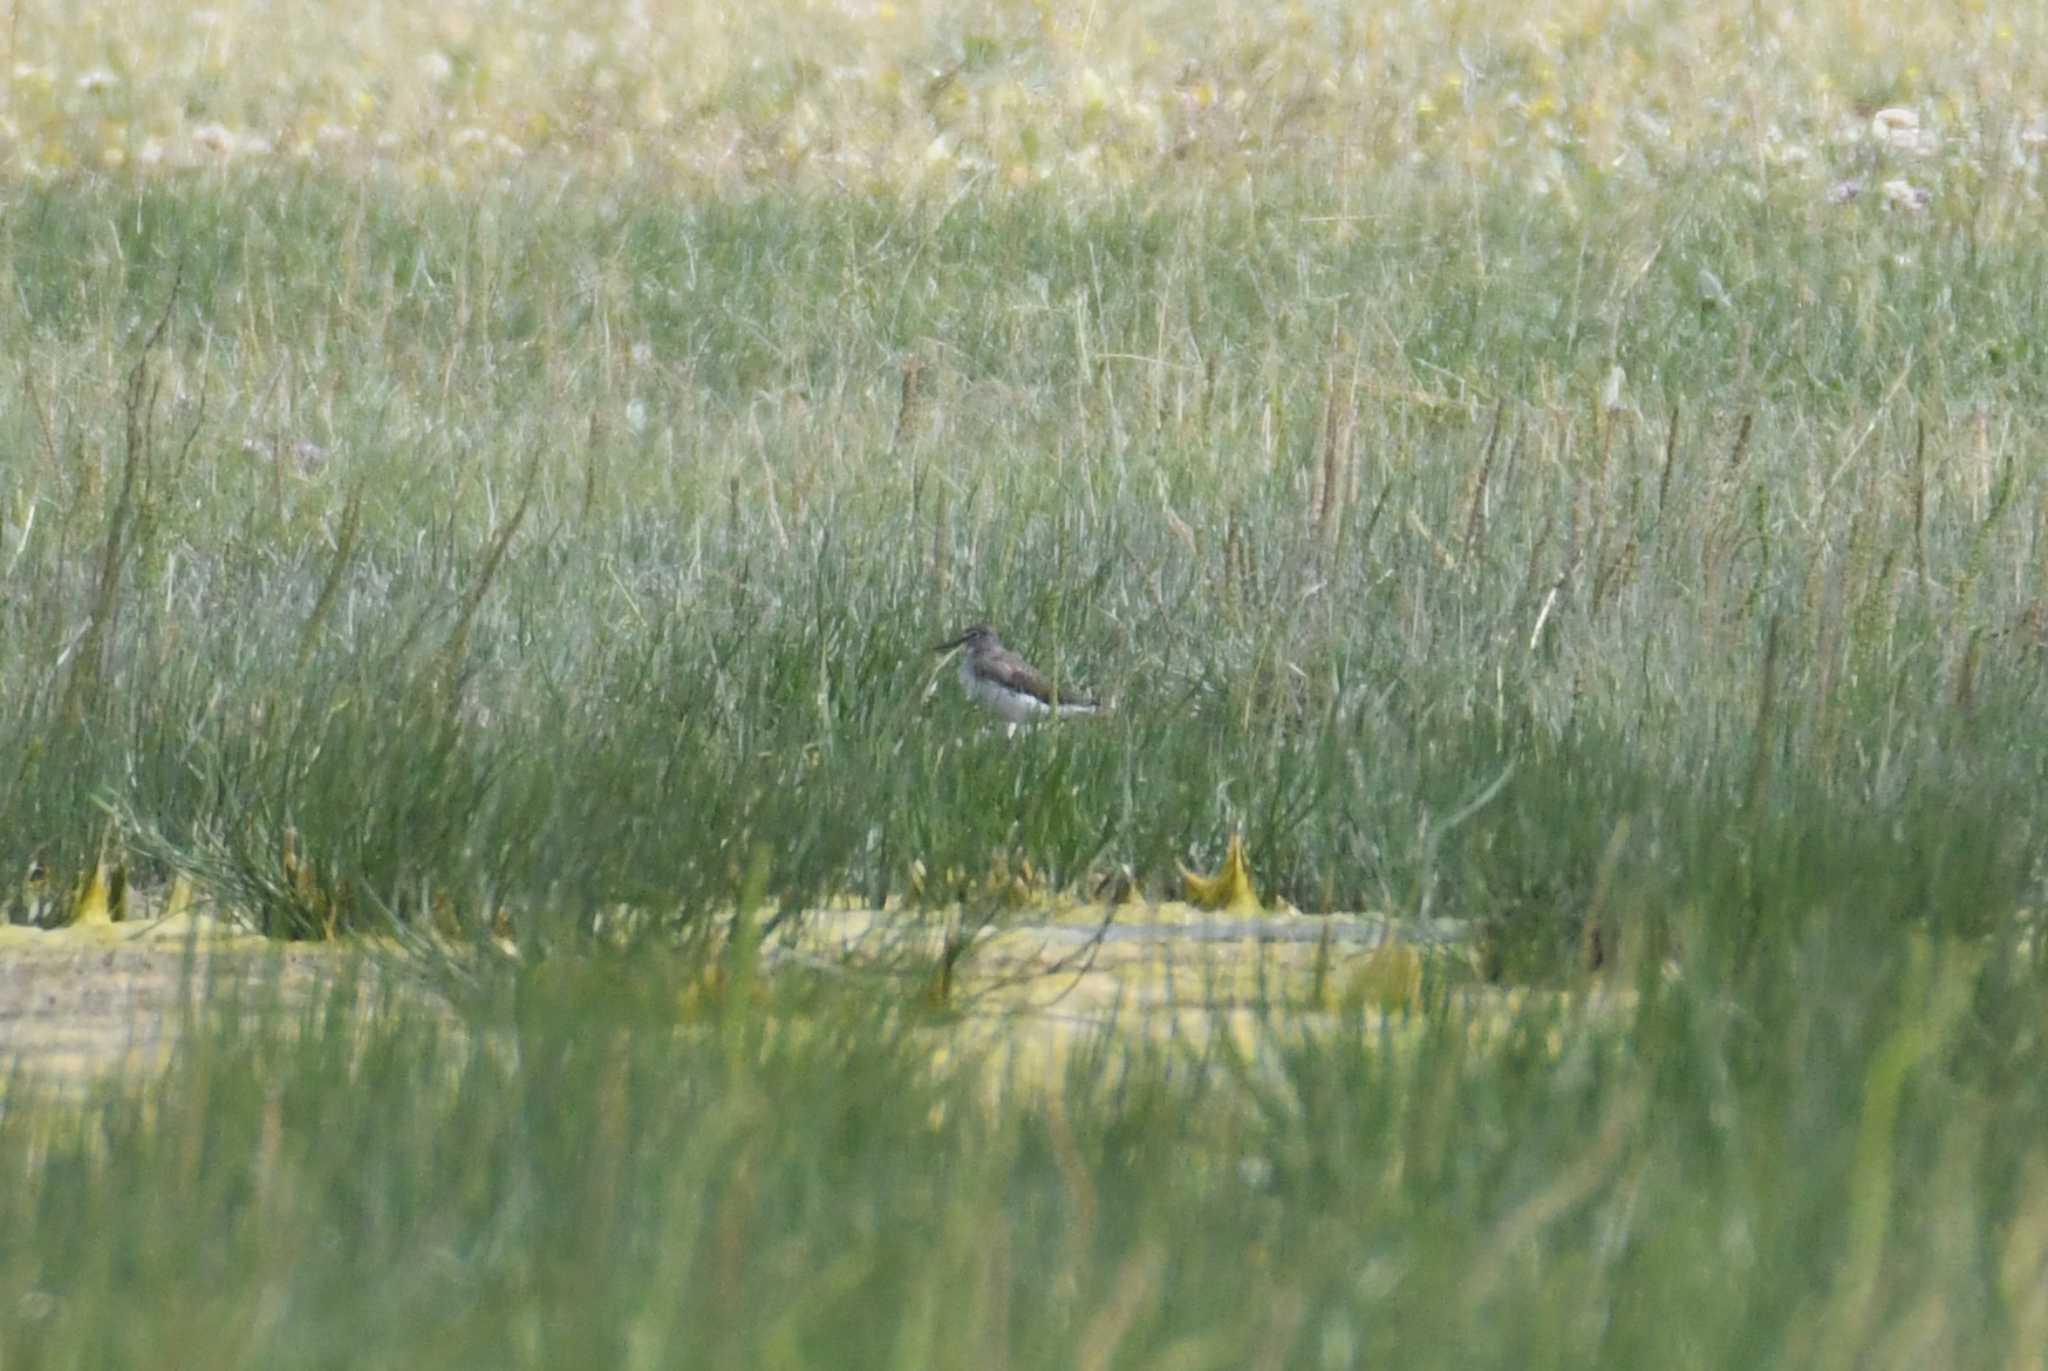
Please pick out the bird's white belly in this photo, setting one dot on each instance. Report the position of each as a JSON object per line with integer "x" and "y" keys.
{"x": 1013, "y": 705}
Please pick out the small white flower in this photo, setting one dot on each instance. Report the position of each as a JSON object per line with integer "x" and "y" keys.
{"x": 1899, "y": 128}
{"x": 1902, "y": 194}
{"x": 97, "y": 80}
{"x": 636, "y": 415}
{"x": 641, "y": 354}
{"x": 222, "y": 141}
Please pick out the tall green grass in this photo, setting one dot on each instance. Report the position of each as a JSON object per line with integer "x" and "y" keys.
{"x": 1485, "y": 467}
{"x": 629, "y": 526}
{"x": 1658, "y": 587}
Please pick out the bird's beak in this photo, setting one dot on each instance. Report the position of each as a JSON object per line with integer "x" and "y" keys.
{"x": 960, "y": 641}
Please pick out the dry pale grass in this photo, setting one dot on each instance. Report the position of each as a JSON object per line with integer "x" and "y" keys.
{"x": 864, "y": 93}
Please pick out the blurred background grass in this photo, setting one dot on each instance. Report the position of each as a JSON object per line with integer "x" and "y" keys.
{"x": 1576, "y": 470}
{"x": 876, "y": 94}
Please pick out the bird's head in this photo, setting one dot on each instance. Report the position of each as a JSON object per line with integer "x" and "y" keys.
{"x": 976, "y": 637}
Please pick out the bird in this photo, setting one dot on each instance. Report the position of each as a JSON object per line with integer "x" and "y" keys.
{"x": 1007, "y": 684}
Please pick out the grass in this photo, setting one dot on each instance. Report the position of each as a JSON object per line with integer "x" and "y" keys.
{"x": 603, "y": 584}
{"x": 1827, "y": 1161}
{"x": 1529, "y": 497}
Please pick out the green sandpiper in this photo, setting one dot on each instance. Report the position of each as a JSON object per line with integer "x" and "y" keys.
{"x": 1006, "y": 683}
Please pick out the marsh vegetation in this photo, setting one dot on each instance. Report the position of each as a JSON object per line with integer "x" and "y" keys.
{"x": 494, "y": 480}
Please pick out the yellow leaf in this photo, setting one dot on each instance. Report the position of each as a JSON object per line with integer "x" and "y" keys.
{"x": 102, "y": 897}
{"x": 1230, "y": 889}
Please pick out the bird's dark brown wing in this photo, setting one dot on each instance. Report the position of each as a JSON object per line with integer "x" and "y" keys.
{"x": 1006, "y": 668}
